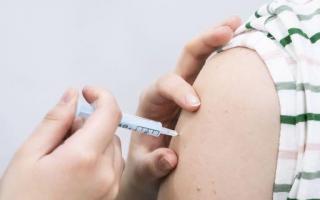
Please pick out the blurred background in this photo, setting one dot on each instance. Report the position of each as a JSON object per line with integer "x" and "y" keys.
{"x": 121, "y": 45}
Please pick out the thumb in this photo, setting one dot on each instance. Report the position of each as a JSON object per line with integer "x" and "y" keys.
{"x": 158, "y": 163}
{"x": 54, "y": 127}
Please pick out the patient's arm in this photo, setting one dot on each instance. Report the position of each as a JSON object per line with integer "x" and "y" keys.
{"x": 228, "y": 149}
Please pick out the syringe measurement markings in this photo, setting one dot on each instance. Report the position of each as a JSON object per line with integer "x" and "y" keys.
{"x": 141, "y": 129}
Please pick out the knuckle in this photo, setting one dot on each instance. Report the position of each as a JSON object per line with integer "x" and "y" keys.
{"x": 112, "y": 106}
{"x": 115, "y": 191}
{"x": 84, "y": 159}
{"x": 111, "y": 179}
{"x": 189, "y": 46}
{"x": 164, "y": 81}
{"x": 106, "y": 182}
{"x": 192, "y": 48}
{"x": 52, "y": 116}
{"x": 109, "y": 105}
{"x": 105, "y": 93}
{"x": 56, "y": 114}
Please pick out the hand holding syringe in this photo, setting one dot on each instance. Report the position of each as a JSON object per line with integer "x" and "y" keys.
{"x": 132, "y": 122}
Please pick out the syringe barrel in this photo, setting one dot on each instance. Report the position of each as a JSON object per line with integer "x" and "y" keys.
{"x": 141, "y": 125}
{"x": 130, "y": 122}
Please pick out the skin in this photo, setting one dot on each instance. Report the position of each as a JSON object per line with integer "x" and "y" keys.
{"x": 150, "y": 159}
{"x": 229, "y": 147}
{"x": 66, "y": 158}
{"x": 53, "y": 150}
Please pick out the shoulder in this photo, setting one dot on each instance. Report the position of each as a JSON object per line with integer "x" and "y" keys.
{"x": 233, "y": 135}
{"x": 233, "y": 65}
{"x": 236, "y": 90}
{"x": 241, "y": 78}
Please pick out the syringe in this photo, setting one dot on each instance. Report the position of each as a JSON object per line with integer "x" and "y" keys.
{"x": 132, "y": 122}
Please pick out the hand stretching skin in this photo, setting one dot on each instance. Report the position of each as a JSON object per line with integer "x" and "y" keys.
{"x": 150, "y": 159}
{"x": 56, "y": 163}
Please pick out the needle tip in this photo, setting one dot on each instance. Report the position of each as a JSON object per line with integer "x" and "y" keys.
{"x": 170, "y": 132}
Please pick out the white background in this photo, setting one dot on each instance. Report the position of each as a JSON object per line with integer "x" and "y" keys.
{"x": 122, "y": 45}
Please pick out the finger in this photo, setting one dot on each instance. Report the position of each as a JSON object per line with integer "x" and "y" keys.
{"x": 77, "y": 124}
{"x": 233, "y": 22}
{"x": 176, "y": 89}
{"x": 197, "y": 50}
{"x": 98, "y": 130}
{"x": 158, "y": 163}
{"x": 55, "y": 125}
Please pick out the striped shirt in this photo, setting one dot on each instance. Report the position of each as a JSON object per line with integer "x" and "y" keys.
{"x": 286, "y": 35}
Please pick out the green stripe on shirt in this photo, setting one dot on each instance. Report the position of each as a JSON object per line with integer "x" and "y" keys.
{"x": 281, "y": 9}
{"x": 298, "y": 87}
{"x": 301, "y": 17}
{"x": 256, "y": 14}
{"x": 315, "y": 38}
{"x": 292, "y": 31}
{"x": 282, "y": 187}
{"x": 301, "y": 199}
{"x": 302, "y": 175}
{"x": 248, "y": 25}
{"x": 308, "y": 175}
{"x": 293, "y": 120}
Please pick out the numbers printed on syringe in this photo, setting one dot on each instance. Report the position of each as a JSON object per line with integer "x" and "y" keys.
{"x": 141, "y": 129}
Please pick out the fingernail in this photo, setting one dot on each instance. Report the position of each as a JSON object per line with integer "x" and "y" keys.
{"x": 68, "y": 96}
{"x": 192, "y": 100}
{"x": 164, "y": 165}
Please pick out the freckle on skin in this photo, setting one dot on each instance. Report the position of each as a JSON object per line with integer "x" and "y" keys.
{"x": 198, "y": 189}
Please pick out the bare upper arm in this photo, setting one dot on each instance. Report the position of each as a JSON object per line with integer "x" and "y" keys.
{"x": 228, "y": 149}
